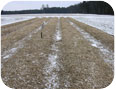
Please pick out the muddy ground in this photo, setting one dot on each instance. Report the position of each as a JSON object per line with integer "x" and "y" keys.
{"x": 52, "y": 53}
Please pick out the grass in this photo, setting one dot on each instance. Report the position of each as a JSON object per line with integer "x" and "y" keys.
{"x": 106, "y": 39}
{"x": 25, "y": 68}
{"x": 83, "y": 66}
{"x": 6, "y": 29}
{"x": 11, "y": 38}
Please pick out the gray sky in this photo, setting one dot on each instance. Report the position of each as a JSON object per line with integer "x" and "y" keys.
{"x": 25, "y": 5}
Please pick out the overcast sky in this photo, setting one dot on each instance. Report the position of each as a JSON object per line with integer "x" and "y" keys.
{"x": 25, "y": 5}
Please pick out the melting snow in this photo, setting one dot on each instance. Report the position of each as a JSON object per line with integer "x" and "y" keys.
{"x": 58, "y": 36}
{"x": 107, "y": 54}
{"x": 7, "y": 56}
{"x": 13, "y": 50}
{"x": 52, "y": 66}
{"x": 20, "y": 44}
{"x": 102, "y": 22}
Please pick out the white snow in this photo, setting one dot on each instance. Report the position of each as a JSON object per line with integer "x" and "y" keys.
{"x": 58, "y": 33}
{"x": 107, "y": 54}
{"x": 58, "y": 36}
{"x": 7, "y": 56}
{"x": 52, "y": 77}
{"x": 102, "y": 22}
{"x": 8, "y": 19}
{"x": 13, "y": 50}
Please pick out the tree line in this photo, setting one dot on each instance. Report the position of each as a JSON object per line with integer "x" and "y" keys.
{"x": 85, "y": 7}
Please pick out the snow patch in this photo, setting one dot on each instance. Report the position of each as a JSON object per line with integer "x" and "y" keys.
{"x": 58, "y": 36}
{"x": 7, "y": 56}
{"x": 13, "y": 50}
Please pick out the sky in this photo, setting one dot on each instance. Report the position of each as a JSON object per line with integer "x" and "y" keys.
{"x": 26, "y": 5}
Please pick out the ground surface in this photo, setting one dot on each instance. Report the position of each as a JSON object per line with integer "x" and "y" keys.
{"x": 102, "y": 22}
{"x": 56, "y": 53}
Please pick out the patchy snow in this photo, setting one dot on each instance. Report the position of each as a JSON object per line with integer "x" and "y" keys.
{"x": 52, "y": 80}
{"x": 20, "y": 44}
{"x": 13, "y": 50}
{"x": 107, "y": 54}
{"x": 52, "y": 66}
{"x": 58, "y": 33}
{"x": 66, "y": 82}
{"x": 58, "y": 36}
{"x": 102, "y": 22}
{"x": 7, "y": 56}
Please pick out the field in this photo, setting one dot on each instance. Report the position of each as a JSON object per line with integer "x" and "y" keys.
{"x": 102, "y": 22}
{"x": 56, "y": 52}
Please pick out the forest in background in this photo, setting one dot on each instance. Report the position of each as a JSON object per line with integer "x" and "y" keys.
{"x": 85, "y": 7}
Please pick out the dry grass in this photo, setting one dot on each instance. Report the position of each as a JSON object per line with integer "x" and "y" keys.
{"x": 83, "y": 66}
{"x": 11, "y": 38}
{"x": 106, "y": 39}
{"x": 6, "y": 29}
{"x": 25, "y": 68}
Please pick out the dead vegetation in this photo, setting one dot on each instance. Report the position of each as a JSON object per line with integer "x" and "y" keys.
{"x": 6, "y": 29}
{"x": 106, "y": 39}
{"x": 11, "y": 38}
{"x": 81, "y": 66}
{"x": 25, "y": 68}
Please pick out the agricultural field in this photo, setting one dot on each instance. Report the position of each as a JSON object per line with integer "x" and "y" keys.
{"x": 102, "y": 22}
{"x": 56, "y": 53}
